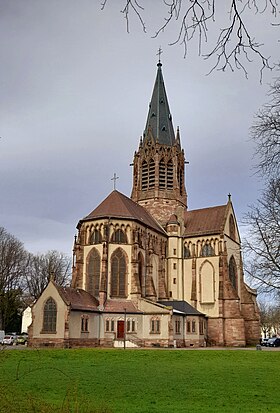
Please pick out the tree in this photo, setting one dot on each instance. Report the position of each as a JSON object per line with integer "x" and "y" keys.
{"x": 13, "y": 262}
{"x": 269, "y": 319}
{"x": 262, "y": 245}
{"x": 234, "y": 45}
{"x": 266, "y": 134}
{"x": 44, "y": 266}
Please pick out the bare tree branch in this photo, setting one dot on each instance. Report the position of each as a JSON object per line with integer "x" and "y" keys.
{"x": 235, "y": 44}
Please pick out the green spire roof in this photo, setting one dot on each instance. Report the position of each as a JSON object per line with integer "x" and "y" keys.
{"x": 159, "y": 122}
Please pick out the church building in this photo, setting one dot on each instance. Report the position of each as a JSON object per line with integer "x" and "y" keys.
{"x": 147, "y": 271}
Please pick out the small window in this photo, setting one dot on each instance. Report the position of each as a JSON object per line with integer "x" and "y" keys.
{"x": 188, "y": 326}
{"x": 177, "y": 326}
{"x": 174, "y": 251}
{"x": 112, "y": 325}
{"x": 174, "y": 280}
{"x": 133, "y": 326}
{"x": 107, "y": 325}
{"x": 84, "y": 324}
{"x": 193, "y": 327}
{"x": 174, "y": 266}
{"x": 155, "y": 326}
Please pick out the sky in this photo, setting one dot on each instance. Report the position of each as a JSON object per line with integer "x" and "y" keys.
{"x": 75, "y": 90}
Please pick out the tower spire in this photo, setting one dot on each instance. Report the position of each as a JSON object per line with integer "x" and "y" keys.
{"x": 159, "y": 125}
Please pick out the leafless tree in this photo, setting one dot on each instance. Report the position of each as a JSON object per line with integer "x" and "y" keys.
{"x": 262, "y": 244}
{"x": 44, "y": 266}
{"x": 269, "y": 318}
{"x": 13, "y": 262}
{"x": 234, "y": 45}
{"x": 266, "y": 134}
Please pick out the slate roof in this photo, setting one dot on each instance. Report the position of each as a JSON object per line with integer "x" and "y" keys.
{"x": 205, "y": 221}
{"x": 120, "y": 306}
{"x": 78, "y": 299}
{"x": 117, "y": 205}
{"x": 159, "y": 120}
{"x": 182, "y": 307}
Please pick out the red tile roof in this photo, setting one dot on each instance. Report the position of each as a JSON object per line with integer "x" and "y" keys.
{"x": 78, "y": 299}
{"x": 117, "y": 205}
{"x": 120, "y": 306}
{"x": 205, "y": 221}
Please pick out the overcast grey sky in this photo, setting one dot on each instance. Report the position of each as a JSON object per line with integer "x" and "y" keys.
{"x": 75, "y": 89}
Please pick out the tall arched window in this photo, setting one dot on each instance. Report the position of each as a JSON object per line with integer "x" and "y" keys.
{"x": 118, "y": 274}
{"x": 93, "y": 272}
{"x": 232, "y": 272}
{"x": 49, "y": 319}
{"x": 141, "y": 273}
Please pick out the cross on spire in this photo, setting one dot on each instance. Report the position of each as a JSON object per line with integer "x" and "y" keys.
{"x": 115, "y": 177}
{"x": 159, "y": 53}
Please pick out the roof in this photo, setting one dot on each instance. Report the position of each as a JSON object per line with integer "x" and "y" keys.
{"x": 117, "y": 205}
{"x": 183, "y": 307}
{"x": 159, "y": 120}
{"x": 205, "y": 221}
{"x": 120, "y": 307}
{"x": 78, "y": 299}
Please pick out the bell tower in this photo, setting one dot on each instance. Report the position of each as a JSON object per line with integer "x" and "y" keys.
{"x": 159, "y": 163}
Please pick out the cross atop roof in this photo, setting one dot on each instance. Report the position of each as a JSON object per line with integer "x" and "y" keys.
{"x": 159, "y": 53}
{"x": 115, "y": 177}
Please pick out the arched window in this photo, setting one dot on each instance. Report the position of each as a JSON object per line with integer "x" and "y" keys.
{"x": 187, "y": 252}
{"x": 93, "y": 272}
{"x": 141, "y": 273}
{"x": 96, "y": 237}
{"x": 231, "y": 227}
{"x": 207, "y": 250}
{"x": 232, "y": 272}
{"x": 207, "y": 287}
{"x": 118, "y": 274}
{"x": 119, "y": 237}
{"x": 49, "y": 319}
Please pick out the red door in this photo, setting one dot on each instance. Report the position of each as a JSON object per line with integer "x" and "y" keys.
{"x": 120, "y": 329}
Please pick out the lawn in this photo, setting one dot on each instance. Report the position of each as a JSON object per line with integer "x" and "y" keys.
{"x": 140, "y": 381}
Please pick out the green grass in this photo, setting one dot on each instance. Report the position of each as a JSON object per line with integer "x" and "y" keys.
{"x": 140, "y": 381}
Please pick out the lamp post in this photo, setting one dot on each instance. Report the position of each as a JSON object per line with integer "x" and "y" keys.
{"x": 124, "y": 330}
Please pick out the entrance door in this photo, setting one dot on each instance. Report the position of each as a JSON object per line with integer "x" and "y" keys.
{"x": 120, "y": 329}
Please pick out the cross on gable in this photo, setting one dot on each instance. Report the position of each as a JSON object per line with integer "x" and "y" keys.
{"x": 115, "y": 177}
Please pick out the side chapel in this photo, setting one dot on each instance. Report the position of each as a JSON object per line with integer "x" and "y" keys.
{"x": 147, "y": 271}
